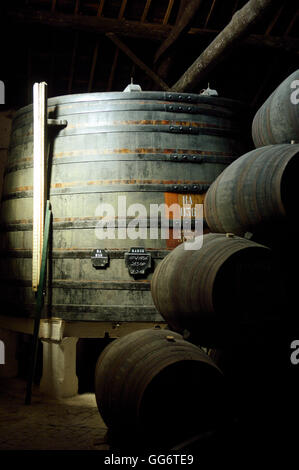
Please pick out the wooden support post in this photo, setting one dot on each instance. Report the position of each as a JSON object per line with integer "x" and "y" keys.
{"x": 137, "y": 61}
{"x": 229, "y": 37}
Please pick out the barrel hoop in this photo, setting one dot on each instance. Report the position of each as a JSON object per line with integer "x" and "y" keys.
{"x": 92, "y": 223}
{"x": 79, "y": 254}
{"x": 127, "y": 106}
{"x": 90, "y": 284}
{"x": 94, "y": 312}
{"x": 148, "y": 96}
{"x": 182, "y": 128}
{"x": 95, "y": 187}
{"x": 175, "y": 157}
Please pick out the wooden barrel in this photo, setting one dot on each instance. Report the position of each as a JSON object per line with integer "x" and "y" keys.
{"x": 215, "y": 291}
{"x": 150, "y": 147}
{"x": 255, "y": 191}
{"x": 157, "y": 387}
{"x": 277, "y": 120}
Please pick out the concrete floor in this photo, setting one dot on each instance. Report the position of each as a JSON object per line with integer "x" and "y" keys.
{"x": 48, "y": 424}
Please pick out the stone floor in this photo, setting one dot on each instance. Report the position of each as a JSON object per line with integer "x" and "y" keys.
{"x": 48, "y": 424}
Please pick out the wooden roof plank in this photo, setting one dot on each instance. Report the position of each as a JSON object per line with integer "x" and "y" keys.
{"x": 73, "y": 62}
{"x": 292, "y": 22}
{"x": 93, "y": 65}
{"x": 145, "y": 11}
{"x": 168, "y": 11}
{"x": 210, "y": 13}
{"x": 122, "y": 9}
{"x": 274, "y": 21}
{"x": 113, "y": 69}
{"x": 101, "y": 6}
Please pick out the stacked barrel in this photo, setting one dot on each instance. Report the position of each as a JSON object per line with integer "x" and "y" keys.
{"x": 155, "y": 390}
{"x": 157, "y": 386}
{"x": 232, "y": 277}
{"x": 236, "y": 291}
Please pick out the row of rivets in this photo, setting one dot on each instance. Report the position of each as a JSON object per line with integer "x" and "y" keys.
{"x": 189, "y": 187}
{"x": 184, "y": 129}
{"x": 189, "y": 158}
{"x": 179, "y": 97}
{"x": 180, "y": 108}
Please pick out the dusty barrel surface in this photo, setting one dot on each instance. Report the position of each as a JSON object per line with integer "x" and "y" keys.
{"x": 226, "y": 283}
{"x": 158, "y": 387}
{"x": 277, "y": 120}
{"x": 257, "y": 189}
{"x": 146, "y": 147}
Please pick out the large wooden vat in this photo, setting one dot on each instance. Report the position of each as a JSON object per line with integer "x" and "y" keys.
{"x": 151, "y": 147}
{"x": 155, "y": 388}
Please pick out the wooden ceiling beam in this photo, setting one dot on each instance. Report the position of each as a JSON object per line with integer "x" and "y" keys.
{"x": 122, "y": 9}
{"x": 101, "y": 6}
{"x": 74, "y": 53}
{"x": 210, "y": 13}
{"x": 92, "y": 24}
{"x": 73, "y": 62}
{"x": 291, "y": 24}
{"x": 274, "y": 21}
{"x": 113, "y": 69}
{"x": 145, "y": 11}
{"x": 240, "y": 24}
{"x": 77, "y": 4}
{"x": 151, "y": 31}
{"x": 137, "y": 61}
{"x": 93, "y": 66}
{"x": 168, "y": 11}
{"x": 116, "y": 54}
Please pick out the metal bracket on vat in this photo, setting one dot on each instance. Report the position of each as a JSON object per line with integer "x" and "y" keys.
{"x": 57, "y": 122}
{"x": 137, "y": 260}
{"x": 99, "y": 258}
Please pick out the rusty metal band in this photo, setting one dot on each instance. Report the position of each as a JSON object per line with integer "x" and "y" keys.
{"x": 196, "y": 188}
{"x": 180, "y": 128}
{"x": 144, "y": 96}
{"x": 85, "y": 158}
{"x": 128, "y": 106}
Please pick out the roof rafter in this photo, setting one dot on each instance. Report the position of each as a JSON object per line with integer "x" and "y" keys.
{"x": 183, "y": 22}
{"x": 137, "y": 61}
{"x": 152, "y": 31}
